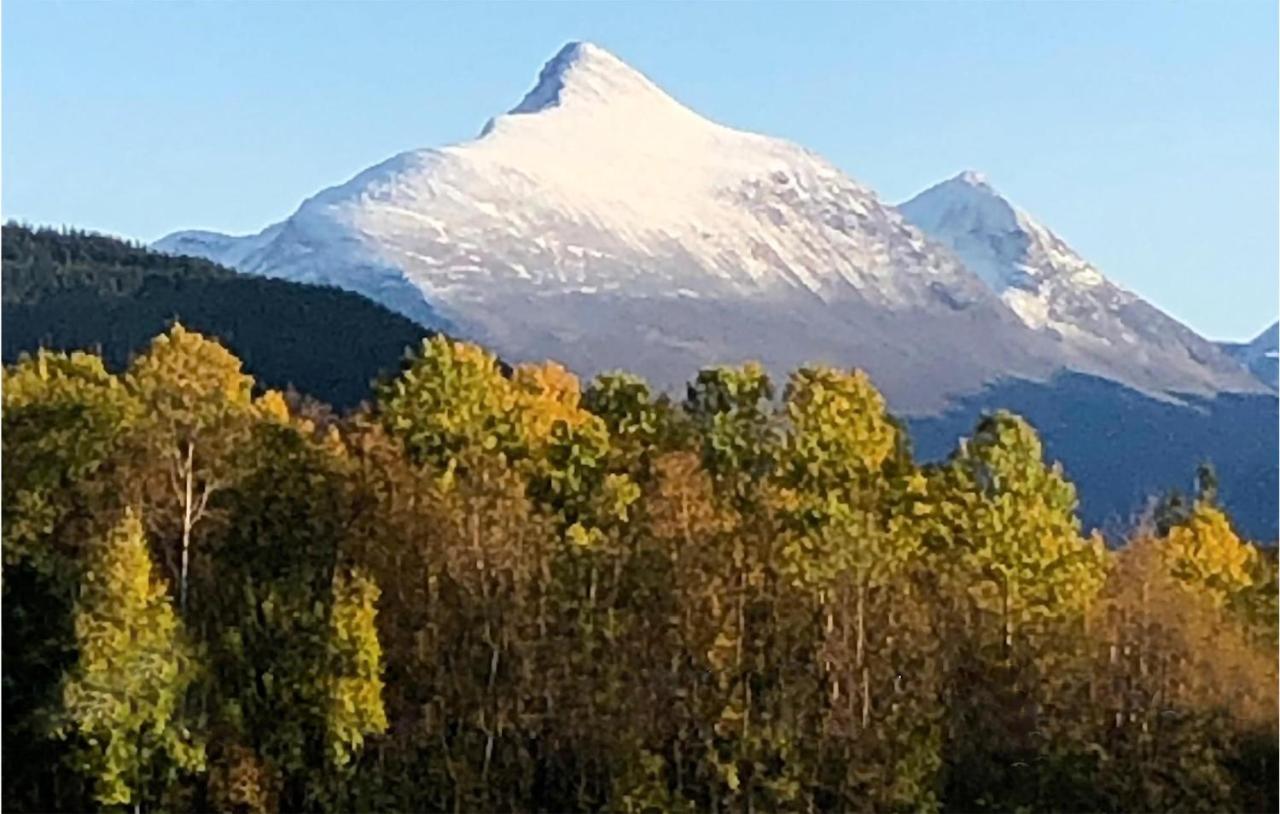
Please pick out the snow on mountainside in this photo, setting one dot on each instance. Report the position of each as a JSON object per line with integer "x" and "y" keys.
{"x": 602, "y": 223}
{"x": 1102, "y": 328}
{"x": 1260, "y": 356}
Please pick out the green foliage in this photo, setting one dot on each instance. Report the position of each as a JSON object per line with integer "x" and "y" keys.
{"x": 451, "y": 397}
{"x": 42, "y": 263}
{"x": 122, "y": 698}
{"x": 730, "y": 409}
{"x": 1014, "y": 580}
{"x": 851, "y": 545}
{"x": 295, "y": 662}
{"x": 1008, "y": 521}
{"x": 355, "y": 696}
{"x": 641, "y": 426}
{"x": 190, "y": 381}
{"x": 198, "y": 413}
{"x": 65, "y": 421}
{"x": 64, "y": 418}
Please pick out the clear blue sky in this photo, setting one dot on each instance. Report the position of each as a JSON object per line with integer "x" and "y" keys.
{"x": 1144, "y": 133}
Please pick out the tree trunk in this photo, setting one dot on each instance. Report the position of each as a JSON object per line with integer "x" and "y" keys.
{"x": 861, "y": 654}
{"x": 187, "y": 515}
{"x": 1006, "y": 621}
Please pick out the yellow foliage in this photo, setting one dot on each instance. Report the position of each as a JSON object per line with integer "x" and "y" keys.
{"x": 1203, "y": 552}
{"x": 185, "y": 372}
{"x": 355, "y": 697}
{"x": 272, "y": 406}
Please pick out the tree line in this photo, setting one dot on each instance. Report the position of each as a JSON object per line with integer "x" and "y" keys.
{"x": 490, "y": 589}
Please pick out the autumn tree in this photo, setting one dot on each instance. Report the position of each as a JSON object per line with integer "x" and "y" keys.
{"x": 1015, "y": 581}
{"x": 199, "y": 409}
{"x": 66, "y": 419}
{"x": 1204, "y": 553}
{"x": 678, "y": 649}
{"x": 1182, "y": 699}
{"x": 851, "y": 556}
{"x": 450, "y": 397}
{"x": 491, "y": 590}
{"x": 730, "y": 409}
{"x": 642, "y": 425}
{"x": 296, "y": 666}
{"x": 122, "y": 698}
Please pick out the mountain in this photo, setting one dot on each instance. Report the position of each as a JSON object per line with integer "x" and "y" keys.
{"x": 1261, "y": 356}
{"x": 602, "y": 223}
{"x": 1100, "y": 327}
{"x": 75, "y": 290}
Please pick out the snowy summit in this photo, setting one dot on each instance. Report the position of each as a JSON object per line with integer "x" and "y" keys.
{"x": 602, "y": 223}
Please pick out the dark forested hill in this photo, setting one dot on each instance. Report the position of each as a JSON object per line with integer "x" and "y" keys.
{"x": 1122, "y": 448}
{"x": 72, "y": 289}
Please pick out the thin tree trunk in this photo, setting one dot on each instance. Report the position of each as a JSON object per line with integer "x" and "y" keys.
{"x": 1143, "y": 645}
{"x": 861, "y": 654}
{"x": 1006, "y": 620}
{"x": 187, "y": 515}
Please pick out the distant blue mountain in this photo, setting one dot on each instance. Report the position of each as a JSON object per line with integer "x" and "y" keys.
{"x": 1122, "y": 448}
{"x": 1261, "y": 355}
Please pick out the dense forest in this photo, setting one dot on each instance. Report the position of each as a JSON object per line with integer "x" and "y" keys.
{"x": 68, "y": 289}
{"x": 491, "y": 590}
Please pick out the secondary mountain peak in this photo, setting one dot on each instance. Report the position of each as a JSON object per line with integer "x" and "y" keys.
{"x": 966, "y": 214}
{"x": 1055, "y": 291}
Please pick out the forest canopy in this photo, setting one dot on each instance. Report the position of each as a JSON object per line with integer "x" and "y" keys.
{"x": 493, "y": 590}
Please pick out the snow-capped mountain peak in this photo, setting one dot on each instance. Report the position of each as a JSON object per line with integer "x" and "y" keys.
{"x": 584, "y": 73}
{"x": 999, "y": 242}
{"x": 602, "y": 223}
